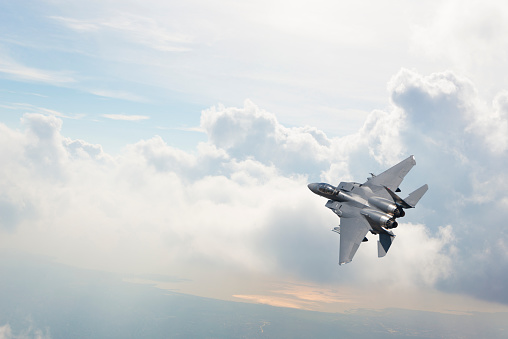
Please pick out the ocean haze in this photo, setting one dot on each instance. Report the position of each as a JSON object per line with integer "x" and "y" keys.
{"x": 49, "y": 300}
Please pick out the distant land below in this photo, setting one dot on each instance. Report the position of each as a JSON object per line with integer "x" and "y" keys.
{"x": 49, "y": 300}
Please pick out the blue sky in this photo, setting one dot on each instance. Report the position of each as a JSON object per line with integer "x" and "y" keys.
{"x": 177, "y": 140}
{"x": 168, "y": 61}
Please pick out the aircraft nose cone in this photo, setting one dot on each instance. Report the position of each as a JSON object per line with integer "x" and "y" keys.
{"x": 312, "y": 187}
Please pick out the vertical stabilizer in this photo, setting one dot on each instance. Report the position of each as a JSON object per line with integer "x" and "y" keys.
{"x": 413, "y": 198}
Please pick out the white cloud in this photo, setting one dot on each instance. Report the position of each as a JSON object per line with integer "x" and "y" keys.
{"x": 153, "y": 204}
{"x": 491, "y": 124}
{"x": 76, "y": 24}
{"x": 252, "y": 132}
{"x": 470, "y": 37}
{"x": 240, "y": 200}
{"x": 417, "y": 258}
{"x": 5, "y": 331}
{"x": 15, "y": 70}
{"x": 460, "y": 141}
{"x": 293, "y": 57}
{"x": 162, "y": 157}
{"x": 118, "y": 95}
{"x": 231, "y": 204}
{"x": 29, "y": 108}
{"x": 139, "y": 29}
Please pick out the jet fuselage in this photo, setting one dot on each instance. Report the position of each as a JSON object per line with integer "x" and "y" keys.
{"x": 380, "y": 212}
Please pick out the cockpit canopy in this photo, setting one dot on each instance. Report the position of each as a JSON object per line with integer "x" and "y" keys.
{"x": 326, "y": 189}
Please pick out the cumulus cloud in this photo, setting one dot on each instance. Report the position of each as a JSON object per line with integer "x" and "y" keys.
{"x": 153, "y": 204}
{"x": 445, "y": 124}
{"x": 418, "y": 258}
{"x": 252, "y": 132}
{"x": 240, "y": 200}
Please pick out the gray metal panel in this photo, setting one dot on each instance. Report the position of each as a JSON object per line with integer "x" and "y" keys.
{"x": 346, "y": 186}
{"x": 352, "y": 232}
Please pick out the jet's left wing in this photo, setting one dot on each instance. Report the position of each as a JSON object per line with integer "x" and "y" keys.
{"x": 352, "y": 232}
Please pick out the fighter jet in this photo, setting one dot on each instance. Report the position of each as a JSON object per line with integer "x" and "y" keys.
{"x": 372, "y": 206}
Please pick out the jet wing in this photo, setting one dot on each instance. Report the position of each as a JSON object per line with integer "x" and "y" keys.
{"x": 393, "y": 176}
{"x": 352, "y": 232}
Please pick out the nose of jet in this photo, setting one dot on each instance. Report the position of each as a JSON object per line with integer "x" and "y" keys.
{"x": 313, "y": 187}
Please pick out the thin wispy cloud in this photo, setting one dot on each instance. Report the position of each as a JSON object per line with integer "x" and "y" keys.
{"x": 119, "y": 95}
{"x": 15, "y": 70}
{"x": 135, "y": 28}
{"x": 189, "y": 129}
{"x": 76, "y": 24}
{"x": 25, "y": 93}
{"x": 29, "y": 108}
{"x": 126, "y": 117}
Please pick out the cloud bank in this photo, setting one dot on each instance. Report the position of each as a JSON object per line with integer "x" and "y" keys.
{"x": 240, "y": 202}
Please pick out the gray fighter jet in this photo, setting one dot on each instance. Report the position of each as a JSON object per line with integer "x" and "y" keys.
{"x": 372, "y": 206}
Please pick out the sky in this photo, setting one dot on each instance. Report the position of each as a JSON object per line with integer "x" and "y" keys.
{"x": 163, "y": 139}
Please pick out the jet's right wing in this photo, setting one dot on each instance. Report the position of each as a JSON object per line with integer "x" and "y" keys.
{"x": 352, "y": 232}
{"x": 392, "y": 177}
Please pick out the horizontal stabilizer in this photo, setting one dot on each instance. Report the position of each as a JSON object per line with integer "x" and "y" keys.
{"x": 413, "y": 198}
{"x": 398, "y": 200}
{"x": 384, "y": 243}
